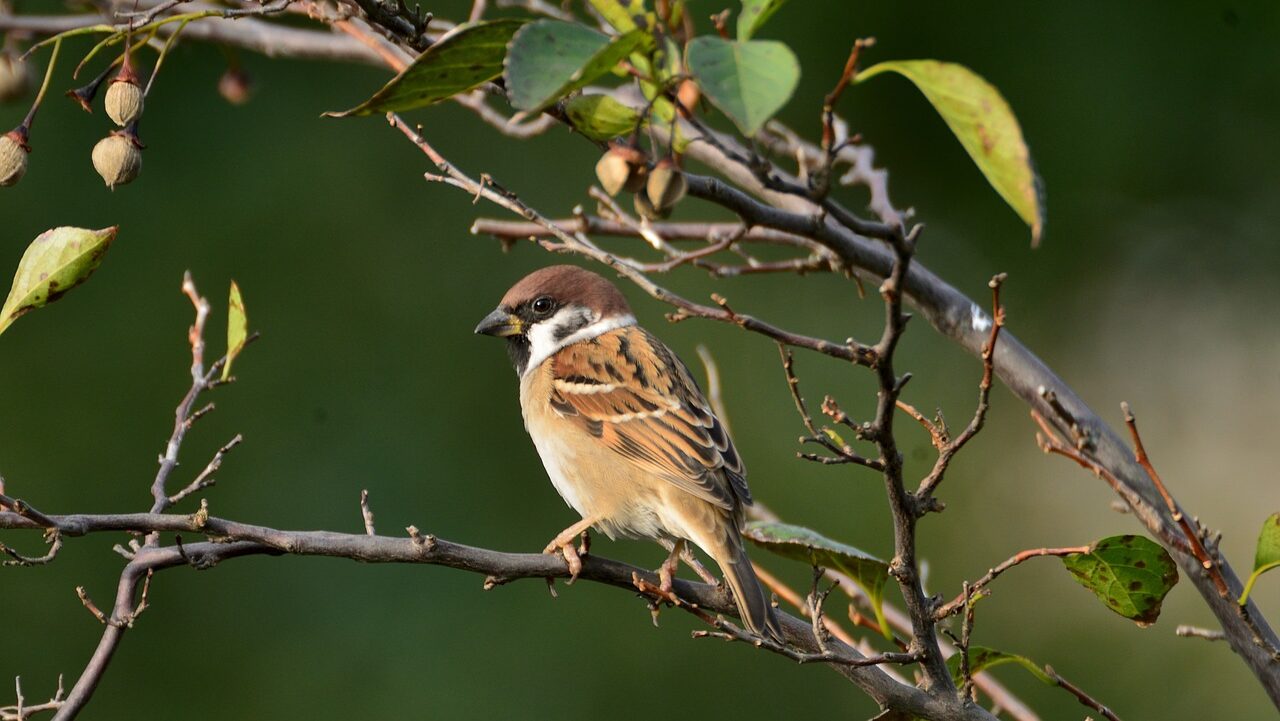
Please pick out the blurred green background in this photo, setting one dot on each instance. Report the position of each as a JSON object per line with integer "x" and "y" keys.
{"x": 1154, "y": 126}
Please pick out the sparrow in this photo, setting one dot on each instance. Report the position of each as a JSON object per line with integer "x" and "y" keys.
{"x": 625, "y": 434}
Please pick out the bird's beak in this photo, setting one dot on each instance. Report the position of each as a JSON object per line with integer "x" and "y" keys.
{"x": 500, "y": 324}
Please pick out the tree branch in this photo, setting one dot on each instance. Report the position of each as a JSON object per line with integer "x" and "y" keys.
{"x": 234, "y": 539}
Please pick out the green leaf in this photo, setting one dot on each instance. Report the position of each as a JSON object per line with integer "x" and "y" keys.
{"x": 600, "y": 117}
{"x": 984, "y": 124}
{"x": 748, "y": 80}
{"x": 982, "y": 658}
{"x": 1267, "y": 556}
{"x": 549, "y": 59}
{"x": 237, "y": 328}
{"x": 1130, "y": 574}
{"x": 803, "y": 544}
{"x": 463, "y": 58}
{"x": 754, "y": 14}
{"x": 54, "y": 263}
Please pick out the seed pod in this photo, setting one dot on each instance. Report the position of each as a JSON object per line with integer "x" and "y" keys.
{"x": 636, "y": 181}
{"x": 666, "y": 185}
{"x": 124, "y": 100}
{"x": 688, "y": 95}
{"x": 118, "y": 159}
{"x": 15, "y": 77}
{"x": 613, "y": 171}
{"x": 13, "y": 157}
{"x": 235, "y": 86}
{"x": 645, "y": 209}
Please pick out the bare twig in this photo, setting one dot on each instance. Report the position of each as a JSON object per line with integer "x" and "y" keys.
{"x": 1191, "y": 535}
{"x": 959, "y": 602}
{"x": 1080, "y": 695}
{"x": 850, "y": 350}
{"x": 1196, "y": 632}
{"x": 949, "y": 448}
{"x": 366, "y": 514}
{"x": 205, "y": 477}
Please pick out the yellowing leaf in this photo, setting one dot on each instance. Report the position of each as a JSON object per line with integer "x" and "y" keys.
{"x": 984, "y": 124}
{"x": 237, "y": 328}
{"x": 54, "y": 263}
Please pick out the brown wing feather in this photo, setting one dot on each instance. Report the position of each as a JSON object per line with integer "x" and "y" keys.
{"x": 631, "y": 392}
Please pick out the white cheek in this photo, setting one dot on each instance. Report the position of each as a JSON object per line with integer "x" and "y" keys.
{"x": 542, "y": 335}
{"x": 543, "y": 340}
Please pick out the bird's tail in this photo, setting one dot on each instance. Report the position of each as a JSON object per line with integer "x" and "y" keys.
{"x": 754, "y": 606}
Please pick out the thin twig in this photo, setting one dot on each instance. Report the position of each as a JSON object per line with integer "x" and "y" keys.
{"x": 1192, "y": 537}
{"x": 958, "y": 602}
{"x": 1080, "y": 695}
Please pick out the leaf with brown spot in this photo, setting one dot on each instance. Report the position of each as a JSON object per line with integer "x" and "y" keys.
{"x": 984, "y": 124}
{"x": 1130, "y": 574}
{"x": 54, "y": 263}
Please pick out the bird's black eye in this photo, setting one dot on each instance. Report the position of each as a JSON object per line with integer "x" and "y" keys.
{"x": 543, "y": 305}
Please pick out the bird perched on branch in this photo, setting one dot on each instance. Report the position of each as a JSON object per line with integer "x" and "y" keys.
{"x": 626, "y": 436}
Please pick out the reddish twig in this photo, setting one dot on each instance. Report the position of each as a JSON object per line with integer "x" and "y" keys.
{"x": 958, "y": 602}
{"x": 1192, "y": 537}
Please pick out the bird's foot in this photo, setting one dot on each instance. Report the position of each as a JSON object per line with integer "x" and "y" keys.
{"x": 563, "y": 544}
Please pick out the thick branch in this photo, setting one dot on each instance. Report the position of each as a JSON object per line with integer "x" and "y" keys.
{"x": 238, "y": 539}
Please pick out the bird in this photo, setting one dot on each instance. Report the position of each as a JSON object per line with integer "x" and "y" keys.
{"x": 626, "y": 436}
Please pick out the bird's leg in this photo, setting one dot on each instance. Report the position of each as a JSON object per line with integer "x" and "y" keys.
{"x": 563, "y": 542}
{"x": 692, "y": 561}
{"x": 667, "y": 571}
{"x": 584, "y": 546}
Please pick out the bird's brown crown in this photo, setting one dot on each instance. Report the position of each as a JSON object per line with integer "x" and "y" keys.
{"x": 568, "y": 285}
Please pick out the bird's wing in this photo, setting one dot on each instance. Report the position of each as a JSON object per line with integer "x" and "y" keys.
{"x": 630, "y": 392}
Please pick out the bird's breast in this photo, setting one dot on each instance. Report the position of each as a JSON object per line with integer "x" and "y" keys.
{"x": 589, "y": 476}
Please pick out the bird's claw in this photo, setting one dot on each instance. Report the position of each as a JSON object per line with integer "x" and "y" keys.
{"x": 572, "y": 558}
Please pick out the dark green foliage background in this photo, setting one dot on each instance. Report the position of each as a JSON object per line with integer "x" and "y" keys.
{"x": 1154, "y": 126}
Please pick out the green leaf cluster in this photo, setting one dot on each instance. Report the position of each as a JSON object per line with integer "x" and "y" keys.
{"x": 542, "y": 63}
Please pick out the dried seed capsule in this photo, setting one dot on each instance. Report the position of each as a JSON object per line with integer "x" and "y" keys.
{"x": 235, "y": 86}
{"x": 124, "y": 100}
{"x": 15, "y": 77}
{"x": 645, "y": 209}
{"x": 118, "y": 159}
{"x": 688, "y": 95}
{"x": 613, "y": 171}
{"x": 666, "y": 185}
{"x": 13, "y": 158}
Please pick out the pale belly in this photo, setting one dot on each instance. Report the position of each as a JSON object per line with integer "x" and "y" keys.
{"x": 599, "y": 484}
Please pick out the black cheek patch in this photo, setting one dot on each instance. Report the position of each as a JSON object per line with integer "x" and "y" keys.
{"x": 572, "y": 325}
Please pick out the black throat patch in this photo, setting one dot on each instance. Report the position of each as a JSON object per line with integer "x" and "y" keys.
{"x": 518, "y": 349}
